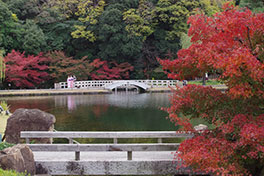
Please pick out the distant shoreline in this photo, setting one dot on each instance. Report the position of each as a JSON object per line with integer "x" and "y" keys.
{"x": 46, "y": 92}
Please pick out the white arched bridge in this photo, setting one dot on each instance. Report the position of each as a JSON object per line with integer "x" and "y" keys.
{"x": 115, "y": 84}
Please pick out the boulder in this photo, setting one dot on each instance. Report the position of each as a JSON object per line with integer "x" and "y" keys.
{"x": 28, "y": 120}
{"x": 201, "y": 127}
{"x": 19, "y": 158}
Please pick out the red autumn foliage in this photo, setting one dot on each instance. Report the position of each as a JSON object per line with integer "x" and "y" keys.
{"x": 26, "y": 71}
{"x": 61, "y": 66}
{"x": 110, "y": 71}
{"x": 232, "y": 44}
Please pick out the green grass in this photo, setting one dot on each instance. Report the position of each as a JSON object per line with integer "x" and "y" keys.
{"x": 4, "y": 145}
{"x": 3, "y": 121}
{"x": 208, "y": 82}
{"x": 4, "y": 105}
{"x": 10, "y": 173}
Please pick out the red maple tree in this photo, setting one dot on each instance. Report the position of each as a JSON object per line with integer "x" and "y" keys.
{"x": 62, "y": 66}
{"x": 25, "y": 71}
{"x": 110, "y": 71}
{"x": 230, "y": 43}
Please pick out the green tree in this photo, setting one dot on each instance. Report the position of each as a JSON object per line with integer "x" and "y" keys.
{"x": 34, "y": 40}
{"x": 172, "y": 15}
{"x": 20, "y": 36}
{"x": 210, "y": 7}
{"x": 88, "y": 11}
{"x": 10, "y": 29}
{"x": 139, "y": 21}
{"x": 24, "y": 9}
{"x": 2, "y": 66}
{"x": 254, "y": 5}
{"x": 113, "y": 40}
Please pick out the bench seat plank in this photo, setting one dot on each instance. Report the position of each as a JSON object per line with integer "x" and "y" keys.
{"x": 104, "y": 147}
{"x": 105, "y": 134}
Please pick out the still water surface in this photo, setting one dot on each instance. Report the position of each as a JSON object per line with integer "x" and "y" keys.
{"x": 105, "y": 112}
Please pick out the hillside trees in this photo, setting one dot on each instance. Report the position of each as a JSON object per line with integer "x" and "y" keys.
{"x": 230, "y": 43}
{"x": 159, "y": 25}
{"x": 117, "y": 31}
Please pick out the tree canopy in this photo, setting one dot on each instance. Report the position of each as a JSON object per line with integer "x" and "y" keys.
{"x": 230, "y": 44}
{"x": 120, "y": 31}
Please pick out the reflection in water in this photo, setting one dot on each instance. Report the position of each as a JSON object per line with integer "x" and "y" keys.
{"x": 102, "y": 112}
{"x": 129, "y": 100}
{"x": 70, "y": 103}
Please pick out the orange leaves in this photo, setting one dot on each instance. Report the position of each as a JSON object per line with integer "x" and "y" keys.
{"x": 108, "y": 71}
{"x": 61, "y": 66}
{"x": 230, "y": 43}
{"x": 197, "y": 101}
{"x": 210, "y": 154}
{"x": 241, "y": 141}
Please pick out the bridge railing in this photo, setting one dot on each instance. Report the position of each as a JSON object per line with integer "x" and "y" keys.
{"x": 77, "y": 148}
{"x": 96, "y": 84}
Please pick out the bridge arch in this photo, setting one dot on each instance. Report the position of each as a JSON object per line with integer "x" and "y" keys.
{"x": 117, "y": 84}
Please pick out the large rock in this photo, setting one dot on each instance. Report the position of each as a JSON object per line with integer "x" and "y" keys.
{"x": 28, "y": 120}
{"x": 201, "y": 127}
{"x": 19, "y": 158}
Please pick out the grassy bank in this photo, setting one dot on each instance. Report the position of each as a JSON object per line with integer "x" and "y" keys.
{"x": 208, "y": 82}
{"x": 3, "y": 120}
{"x": 10, "y": 173}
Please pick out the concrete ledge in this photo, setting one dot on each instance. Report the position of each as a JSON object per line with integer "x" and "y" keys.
{"x": 109, "y": 168}
{"x": 37, "y": 92}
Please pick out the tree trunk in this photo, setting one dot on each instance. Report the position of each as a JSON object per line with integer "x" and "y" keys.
{"x": 204, "y": 81}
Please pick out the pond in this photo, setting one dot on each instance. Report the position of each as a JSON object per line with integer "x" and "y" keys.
{"x": 102, "y": 112}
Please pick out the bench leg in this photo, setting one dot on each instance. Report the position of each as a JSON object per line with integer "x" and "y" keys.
{"x": 77, "y": 155}
{"x": 129, "y": 155}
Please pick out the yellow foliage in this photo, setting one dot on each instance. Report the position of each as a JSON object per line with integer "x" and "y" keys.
{"x": 81, "y": 32}
{"x": 87, "y": 11}
{"x": 14, "y": 17}
{"x": 139, "y": 20}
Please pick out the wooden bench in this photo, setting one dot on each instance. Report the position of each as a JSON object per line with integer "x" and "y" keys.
{"x": 105, "y": 147}
{"x": 77, "y": 148}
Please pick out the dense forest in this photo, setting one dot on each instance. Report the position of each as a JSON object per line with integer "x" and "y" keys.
{"x": 44, "y": 41}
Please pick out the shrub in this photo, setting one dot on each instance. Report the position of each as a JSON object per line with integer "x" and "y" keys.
{"x": 4, "y": 145}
